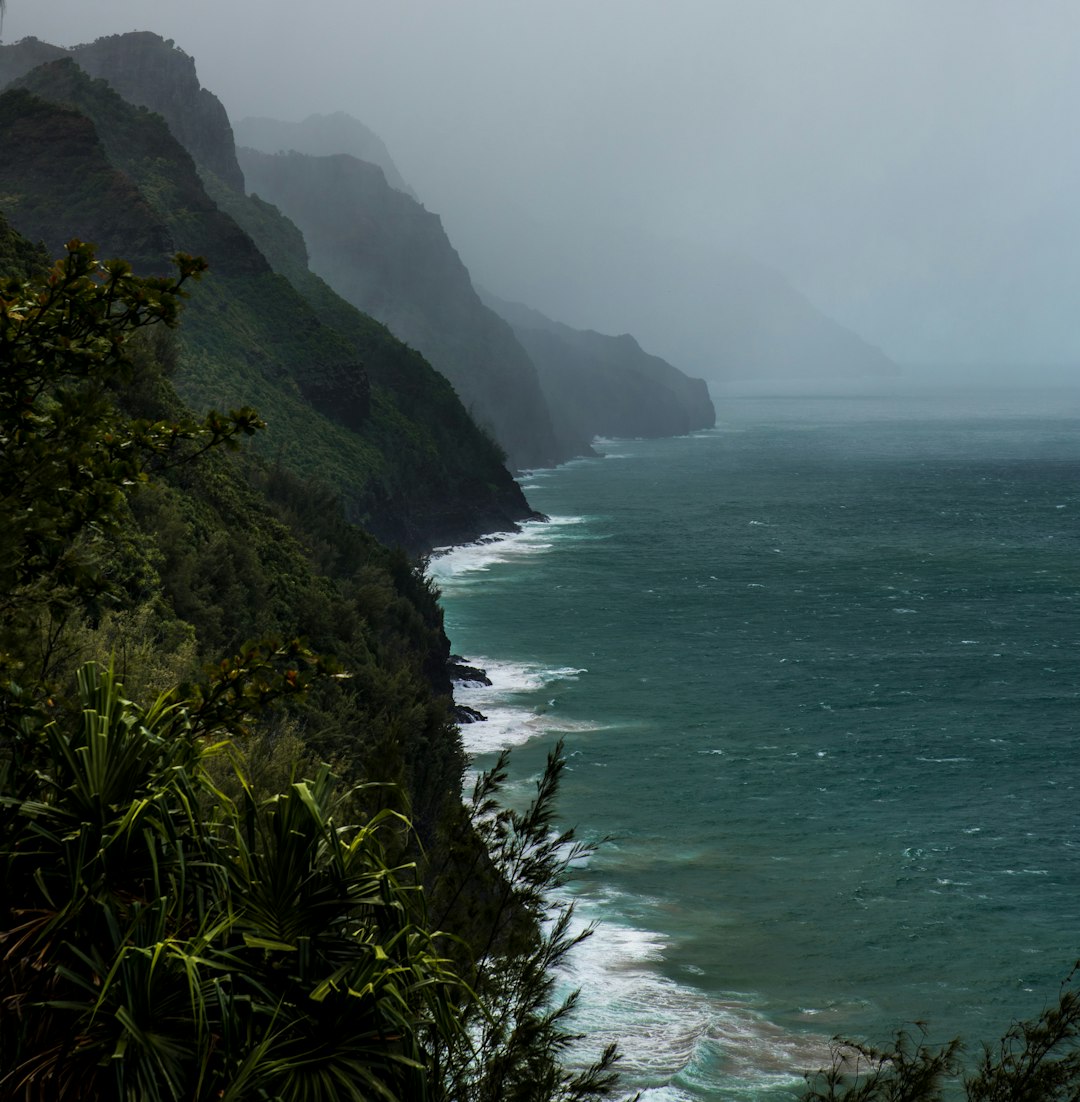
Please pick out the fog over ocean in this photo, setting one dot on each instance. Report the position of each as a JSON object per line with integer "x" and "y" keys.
{"x": 816, "y": 670}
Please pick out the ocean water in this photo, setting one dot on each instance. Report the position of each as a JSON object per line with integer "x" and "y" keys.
{"x": 817, "y": 675}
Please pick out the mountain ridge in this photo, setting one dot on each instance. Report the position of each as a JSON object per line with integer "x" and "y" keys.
{"x": 418, "y": 474}
{"x": 390, "y": 257}
{"x": 601, "y": 385}
{"x": 416, "y": 282}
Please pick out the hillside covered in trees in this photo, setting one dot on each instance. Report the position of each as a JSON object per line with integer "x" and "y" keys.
{"x": 368, "y": 237}
{"x": 347, "y": 401}
{"x": 235, "y": 858}
{"x": 235, "y": 853}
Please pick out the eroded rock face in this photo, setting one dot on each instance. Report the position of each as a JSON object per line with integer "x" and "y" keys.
{"x": 149, "y": 71}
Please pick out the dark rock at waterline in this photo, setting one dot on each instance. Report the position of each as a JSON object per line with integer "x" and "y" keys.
{"x": 464, "y": 714}
{"x": 458, "y": 670}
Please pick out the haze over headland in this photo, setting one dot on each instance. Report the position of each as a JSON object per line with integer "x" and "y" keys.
{"x": 908, "y": 166}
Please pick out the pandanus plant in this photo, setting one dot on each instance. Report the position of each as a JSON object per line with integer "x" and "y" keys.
{"x": 162, "y": 941}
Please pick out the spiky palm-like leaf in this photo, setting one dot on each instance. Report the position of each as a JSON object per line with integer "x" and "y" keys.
{"x": 161, "y": 944}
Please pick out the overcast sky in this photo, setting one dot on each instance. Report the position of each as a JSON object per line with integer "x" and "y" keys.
{"x": 912, "y": 166}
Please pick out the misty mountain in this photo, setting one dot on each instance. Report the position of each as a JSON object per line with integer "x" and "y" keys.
{"x": 395, "y": 261}
{"x": 716, "y": 314}
{"x": 388, "y": 256}
{"x": 348, "y": 404}
{"x": 735, "y": 319}
{"x": 148, "y": 72}
{"x": 322, "y": 136}
{"x": 598, "y": 385}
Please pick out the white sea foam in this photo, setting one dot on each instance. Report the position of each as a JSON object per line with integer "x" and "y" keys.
{"x": 511, "y": 720}
{"x": 672, "y": 1035}
{"x": 533, "y": 538}
{"x": 508, "y": 678}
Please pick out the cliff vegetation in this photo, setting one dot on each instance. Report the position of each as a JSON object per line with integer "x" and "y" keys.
{"x": 229, "y": 775}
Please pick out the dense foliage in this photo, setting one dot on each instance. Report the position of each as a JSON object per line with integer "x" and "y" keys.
{"x": 67, "y": 452}
{"x": 164, "y": 941}
{"x": 182, "y": 915}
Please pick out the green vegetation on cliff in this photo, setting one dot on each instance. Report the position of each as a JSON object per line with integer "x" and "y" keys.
{"x": 191, "y": 906}
{"x": 351, "y": 406}
{"x": 385, "y": 253}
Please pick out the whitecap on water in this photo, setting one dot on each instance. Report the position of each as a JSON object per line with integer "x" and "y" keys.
{"x": 533, "y": 538}
{"x": 677, "y": 1041}
{"x": 509, "y": 720}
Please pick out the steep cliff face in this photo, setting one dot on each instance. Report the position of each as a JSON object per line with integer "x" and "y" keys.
{"x": 386, "y": 254}
{"x": 76, "y": 158}
{"x": 321, "y": 136}
{"x": 149, "y": 71}
{"x": 138, "y": 145}
{"x": 598, "y": 385}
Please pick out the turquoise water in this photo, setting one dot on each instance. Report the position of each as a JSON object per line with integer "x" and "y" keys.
{"x": 817, "y": 672}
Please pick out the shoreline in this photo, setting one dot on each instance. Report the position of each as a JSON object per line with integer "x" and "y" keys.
{"x": 676, "y": 1036}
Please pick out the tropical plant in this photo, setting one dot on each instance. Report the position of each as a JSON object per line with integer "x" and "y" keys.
{"x": 160, "y": 939}
{"x": 163, "y": 942}
{"x": 517, "y": 1034}
{"x": 1037, "y": 1060}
